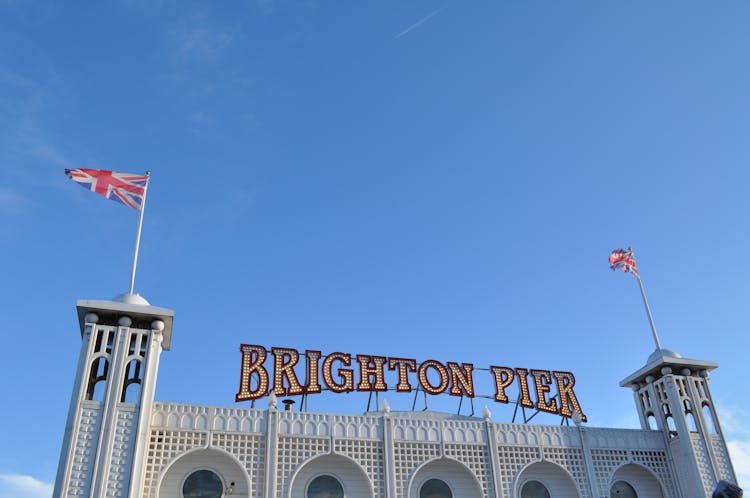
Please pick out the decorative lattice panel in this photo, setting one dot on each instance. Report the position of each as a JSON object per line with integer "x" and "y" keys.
{"x": 85, "y": 447}
{"x": 408, "y": 456}
{"x": 571, "y": 459}
{"x": 369, "y": 454}
{"x": 658, "y": 463}
{"x": 702, "y": 459}
{"x": 722, "y": 460}
{"x": 512, "y": 459}
{"x": 250, "y": 451}
{"x": 605, "y": 462}
{"x": 119, "y": 470}
{"x": 477, "y": 458}
{"x": 163, "y": 446}
{"x": 291, "y": 452}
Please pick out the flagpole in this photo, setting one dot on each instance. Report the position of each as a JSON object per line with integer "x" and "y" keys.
{"x": 138, "y": 236}
{"x": 648, "y": 311}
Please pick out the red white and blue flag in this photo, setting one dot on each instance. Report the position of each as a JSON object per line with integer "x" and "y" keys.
{"x": 623, "y": 259}
{"x": 126, "y": 188}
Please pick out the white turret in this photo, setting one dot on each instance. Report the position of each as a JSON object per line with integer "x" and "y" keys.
{"x": 106, "y": 431}
{"x": 672, "y": 395}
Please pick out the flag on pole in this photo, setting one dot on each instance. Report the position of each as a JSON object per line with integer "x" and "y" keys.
{"x": 126, "y": 188}
{"x": 623, "y": 259}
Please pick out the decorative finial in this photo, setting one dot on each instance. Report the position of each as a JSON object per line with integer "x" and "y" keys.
{"x": 385, "y": 407}
{"x": 486, "y": 413}
{"x": 577, "y": 419}
{"x": 272, "y": 401}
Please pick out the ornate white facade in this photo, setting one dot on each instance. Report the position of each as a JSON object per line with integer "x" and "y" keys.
{"x": 120, "y": 443}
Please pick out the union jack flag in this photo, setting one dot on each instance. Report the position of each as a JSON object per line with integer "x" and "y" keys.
{"x": 623, "y": 259}
{"x": 126, "y": 188}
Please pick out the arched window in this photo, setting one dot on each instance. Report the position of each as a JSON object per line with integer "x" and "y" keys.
{"x": 133, "y": 376}
{"x": 689, "y": 416}
{"x": 435, "y": 488}
{"x": 621, "y": 489}
{"x": 203, "y": 484}
{"x": 669, "y": 420}
{"x": 708, "y": 416}
{"x": 692, "y": 427}
{"x": 97, "y": 384}
{"x": 534, "y": 489}
{"x": 671, "y": 427}
{"x": 325, "y": 487}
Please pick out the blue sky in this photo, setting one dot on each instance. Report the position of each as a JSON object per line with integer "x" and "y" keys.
{"x": 422, "y": 179}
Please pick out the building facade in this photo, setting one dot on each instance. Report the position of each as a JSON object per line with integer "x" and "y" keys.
{"x": 119, "y": 442}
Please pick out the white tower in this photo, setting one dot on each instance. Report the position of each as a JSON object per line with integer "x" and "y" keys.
{"x": 672, "y": 396}
{"x": 107, "y": 427}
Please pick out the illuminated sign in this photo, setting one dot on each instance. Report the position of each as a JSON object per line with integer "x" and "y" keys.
{"x": 433, "y": 377}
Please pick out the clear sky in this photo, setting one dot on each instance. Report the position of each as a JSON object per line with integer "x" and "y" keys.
{"x": 406, "y": 178}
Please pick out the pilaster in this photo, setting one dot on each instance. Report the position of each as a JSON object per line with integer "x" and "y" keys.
{"x": 109, "y": 416}
{"x": 148, "y": 388}
{"x": 74, "y": 411}
{"x": 389, "y": 466}
{"x": 732, "y": 477}
{"x": 586, "y": 449}
{"x": 272, "y": 435}
{"x": 494, "y": 460}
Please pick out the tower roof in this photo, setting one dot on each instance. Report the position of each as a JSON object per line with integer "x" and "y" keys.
{"x": 110, "y": 311}
{"x": 661, "y": 358}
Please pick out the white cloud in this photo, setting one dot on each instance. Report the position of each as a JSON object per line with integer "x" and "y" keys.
{"x": 739, "y": 451}
{"x": 733, "y": 421}
{"x": 737, "y": 434}
{"x": 23, "y": 486}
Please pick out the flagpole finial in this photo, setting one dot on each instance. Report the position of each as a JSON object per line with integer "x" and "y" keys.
{"x": 130, "y": 298}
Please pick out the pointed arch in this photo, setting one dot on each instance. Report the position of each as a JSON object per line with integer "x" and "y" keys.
{"x": 133, "y": 377}
{"x": 710, "y": 419}
{"x": 96, "y": 387}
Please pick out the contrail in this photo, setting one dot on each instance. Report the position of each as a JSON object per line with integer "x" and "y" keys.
{"x": 421, "y": 21}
